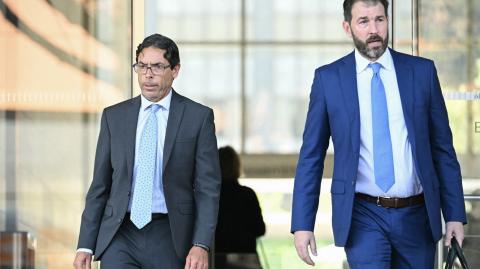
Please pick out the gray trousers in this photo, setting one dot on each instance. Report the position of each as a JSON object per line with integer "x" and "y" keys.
{"x": 148, "y": 248}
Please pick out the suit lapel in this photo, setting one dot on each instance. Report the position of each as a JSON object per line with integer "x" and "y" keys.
{"x": 347, "y": 75}
{"x": 174, "y": 118}
{"x": 405, "y": 82}
{"x": 131, "y": 119}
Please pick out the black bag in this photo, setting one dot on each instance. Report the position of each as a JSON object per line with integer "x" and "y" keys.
{"x": 454, "y": 252}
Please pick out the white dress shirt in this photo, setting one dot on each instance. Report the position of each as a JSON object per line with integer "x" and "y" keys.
{"x": 406, "y": 179}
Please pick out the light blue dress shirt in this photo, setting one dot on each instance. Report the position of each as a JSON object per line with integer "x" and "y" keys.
{"x": 158, "y": 197}
{"x": 406, "y": 179}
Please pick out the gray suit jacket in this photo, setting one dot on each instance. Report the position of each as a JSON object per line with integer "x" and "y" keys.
{"x": 191, "y": 175}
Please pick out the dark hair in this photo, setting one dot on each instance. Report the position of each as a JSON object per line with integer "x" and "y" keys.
{"x": 348, "y": 4}
{"x": 229, "y": 163}
{"x": 161, "y": 42}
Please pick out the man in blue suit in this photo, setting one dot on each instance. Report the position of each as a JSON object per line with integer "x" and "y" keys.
{"x": 395, "y": 168}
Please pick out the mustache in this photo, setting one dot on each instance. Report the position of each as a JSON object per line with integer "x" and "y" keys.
{"x": 374, "y": 38}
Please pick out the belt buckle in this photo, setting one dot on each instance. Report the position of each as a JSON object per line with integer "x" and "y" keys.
{"x": 378, "y": 201}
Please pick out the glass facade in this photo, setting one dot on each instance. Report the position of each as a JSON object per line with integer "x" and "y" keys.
{"x": 455, "y": 47}
{"x": 62, "y": 63}
{"x": 251, "y": 61}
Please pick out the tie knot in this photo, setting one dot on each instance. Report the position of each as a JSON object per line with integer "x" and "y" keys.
{"x": 154, "y": 107}
{"x": 375, "y": 67}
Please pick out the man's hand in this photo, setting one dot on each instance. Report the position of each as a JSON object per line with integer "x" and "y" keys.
{"x": 197, "y": 258}
{"x": 304, "y": 239}
{"x": 454, "y": 228}
{"x": 82, "y": 260}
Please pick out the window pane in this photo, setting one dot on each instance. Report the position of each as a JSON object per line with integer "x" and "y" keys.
{"x": 276, "y": 247}
{"x": 447, "y": 36}
{"x": 442, "y": 21}
{"x": 61, "y": 65}
{"x": 195, "y": 20}
{"x": 402, "y": 26}
{"x": 278, "y": 85}
{"x": 211, "y": 75}
{"x": 295, "y": 20}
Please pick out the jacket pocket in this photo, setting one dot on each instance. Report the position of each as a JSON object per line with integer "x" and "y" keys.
{"x": 108, "y": 211}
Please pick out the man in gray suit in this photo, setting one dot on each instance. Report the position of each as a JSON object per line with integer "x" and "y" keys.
{"x": 153, "y": 201}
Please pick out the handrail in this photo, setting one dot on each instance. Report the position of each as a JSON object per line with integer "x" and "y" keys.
{"x": 470, "y": 197}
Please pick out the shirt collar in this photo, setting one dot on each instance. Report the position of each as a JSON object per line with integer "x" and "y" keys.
{"x": 362, "y": 63}
{"x": 164, "y": 102}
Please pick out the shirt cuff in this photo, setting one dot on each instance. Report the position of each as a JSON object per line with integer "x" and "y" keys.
{"x": 87, "y": 250}
{"x": 202, "y": 246}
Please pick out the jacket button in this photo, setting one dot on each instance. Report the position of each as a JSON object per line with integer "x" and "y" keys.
{"x": 353, "y": 182}
{"x": 120, "y": 220}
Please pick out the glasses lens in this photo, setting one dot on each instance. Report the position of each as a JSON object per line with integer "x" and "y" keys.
{"x": 138, "y": 68}
{"x": 156, "y": 69}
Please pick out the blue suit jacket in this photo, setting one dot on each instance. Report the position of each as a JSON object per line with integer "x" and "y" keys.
{"x": 334, "y": 111}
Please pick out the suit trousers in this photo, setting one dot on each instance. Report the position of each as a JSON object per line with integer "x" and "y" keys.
{"x": 148, "y": 248}
{"x": 390, "y": 238}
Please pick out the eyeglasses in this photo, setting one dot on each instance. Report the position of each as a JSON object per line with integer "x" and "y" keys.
{"x": 157, "y": 69}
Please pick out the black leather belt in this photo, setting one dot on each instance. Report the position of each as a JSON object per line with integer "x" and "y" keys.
{"x": 390, "y": 202}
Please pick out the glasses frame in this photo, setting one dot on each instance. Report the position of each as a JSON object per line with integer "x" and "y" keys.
{"x": 161, "y": 71}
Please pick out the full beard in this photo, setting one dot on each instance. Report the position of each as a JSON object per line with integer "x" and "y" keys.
{"x": 371, "y": 53}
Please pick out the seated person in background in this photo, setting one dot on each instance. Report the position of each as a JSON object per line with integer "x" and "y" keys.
{"x": 240, "y": 219}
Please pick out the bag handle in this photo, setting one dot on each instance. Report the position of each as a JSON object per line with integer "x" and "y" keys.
{"x": 455, "y": 251}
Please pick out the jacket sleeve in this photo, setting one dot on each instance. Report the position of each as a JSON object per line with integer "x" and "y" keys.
{"x": 310, "y": 165}
{"x": 99, "y": 190}
{"x": 445, "y": 160}
{"x": 206, "y": 183}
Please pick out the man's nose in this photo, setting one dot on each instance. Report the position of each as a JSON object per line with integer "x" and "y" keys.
{"x": 147, "y": 74}
{"x": 372, "y": 27}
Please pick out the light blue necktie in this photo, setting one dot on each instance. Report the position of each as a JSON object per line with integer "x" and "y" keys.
{"x": 141, "y": 211}
{"x": 382, "y": 143}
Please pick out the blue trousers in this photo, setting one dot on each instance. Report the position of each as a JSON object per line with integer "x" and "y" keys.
{"x": 390, "y": 238}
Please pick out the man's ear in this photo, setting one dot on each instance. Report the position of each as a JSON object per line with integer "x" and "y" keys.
{"x": 176, "y": 69}
{"x": 347, "y": 28}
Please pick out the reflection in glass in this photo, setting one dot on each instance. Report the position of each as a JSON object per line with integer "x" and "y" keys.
{"x": 211, "y": 75}
{"x": 193, "y": 20}
{"x": 66, "y": 62}
{"x": 295, "y": 20}
{"x": 447, "y": 31}
{"x": 278, "y": 87}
